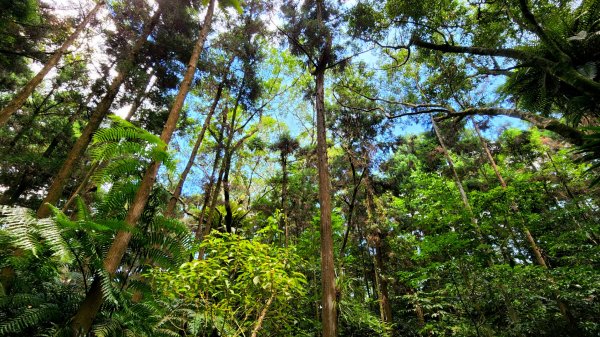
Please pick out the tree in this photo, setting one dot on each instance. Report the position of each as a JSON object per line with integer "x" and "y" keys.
{"x": 22, "y": 95}
{"x": 55, "y": 190}
{"x": 286, "y": 146}
{"x": 90, "y": 306}
{"x": 310, "y": 36}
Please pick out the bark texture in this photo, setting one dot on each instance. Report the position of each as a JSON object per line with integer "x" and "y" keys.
{"x": 328, "y": 301}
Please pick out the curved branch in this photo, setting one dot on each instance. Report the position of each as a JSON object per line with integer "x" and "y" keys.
{"x": 504, "y": 52}
{"x": 570, "y": 134}
{"x": 562, "y": 70}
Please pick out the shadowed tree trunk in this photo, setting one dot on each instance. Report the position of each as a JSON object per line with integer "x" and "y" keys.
{"x": 188, "y": 167}
{"x": 83, "y": 319}
{"x": 78, "y": 149}
{"x": 376, "y": 240}
{"x": 457, "y": 180}
{"x": 22, "y": 96}
{"x": 228, "y": 157}
{"x": 141, "y": 96}
{"x": 24, "y": 183}
{"x": 38, "y": 110}
{"x": 208, "y": 193}
{"x": 283, "y": 223}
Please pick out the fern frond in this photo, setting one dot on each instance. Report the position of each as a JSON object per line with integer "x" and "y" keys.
{"x": 107, "y": 329}
{"x": 109, "y": 293}
{"x": 27, "y": 232}
{"x": 20, "y": 223}
{"x": 29, "y": 318}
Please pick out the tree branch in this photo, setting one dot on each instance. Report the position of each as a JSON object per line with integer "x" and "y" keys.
{"x": 504, "y": 52}
{"x": 571, "y": 134}
{"x": 539, "y": 31}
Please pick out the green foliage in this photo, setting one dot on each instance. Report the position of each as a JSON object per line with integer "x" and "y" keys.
{"x": 233, "y": 281}
{"x": 126, "y": 149}
{"x": 28, "y": 233}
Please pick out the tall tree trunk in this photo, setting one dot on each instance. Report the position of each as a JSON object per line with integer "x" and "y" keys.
{"x": 356, "y": 181}
{"x": 457, "y": 180}
{"x": 226, "y": 191}
{"x": 82, "y": 186}
{"x": 188, "y": 167}
{"x": 14, "y": 192}
{"x": 82, "y": 321}
{"x": 262, "y": 316}
{"x": 376, "y": 241}
{"x": 22, "y": 96}
{"x": 226, "y": 186}
{"x": 60, "y": 180}
{"x": 490, "y": 258}
{"x": 488, "y": 154}
{"x": 208, "y": 193}
{"x": 328, "y": 300}
{"x": 228, "y": 157}
{"x": 28, "y": 126}
{"x": 213, "y": 206}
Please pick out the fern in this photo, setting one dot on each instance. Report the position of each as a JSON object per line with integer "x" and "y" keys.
{"x": 123, "y": 139}
{"x": 107, "y": 328}
{"x": 30, "y": 318}
{"x": 28, "y": 232}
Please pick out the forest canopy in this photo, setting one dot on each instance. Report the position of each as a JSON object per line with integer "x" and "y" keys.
{"x": 299, "y": 168}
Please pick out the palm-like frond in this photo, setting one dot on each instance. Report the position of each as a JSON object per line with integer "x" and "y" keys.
{"x": 27, "y": 232}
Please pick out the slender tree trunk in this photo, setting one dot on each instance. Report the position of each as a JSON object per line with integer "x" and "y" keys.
{"x": 457, "y": 180}
{"x": 376, "y": 241}
{"x": 228, "y": 157}
{"x": 537, "y": 252}
{"x": 139, "y": 99}
{"x": 488, "y": 154}
{"x": 328, "y": 301}
{"x": 29, "y": 124}
{"x": 226, "y": 191}
{"x": 88, "y": 309}
{"x": 283, "y": 223}
{"x": 213, "y": 206}
{"x": 262, "y": 316}
{"x": 226, "y": 170}
{"x": 188, "y": 167}
{"x": 509, "y": 259}
{"x": 22, "y": 96}
{"x": 356, "y": 181}
{"x": 81, "y": 187}
{"x": 13, "y": 194}
{"x": 490, "y": 259}
{"x": 61, "y": 178}
{"x": 211, "y": 182}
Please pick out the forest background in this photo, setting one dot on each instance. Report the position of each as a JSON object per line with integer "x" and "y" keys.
{"x": 299, "y": 168}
